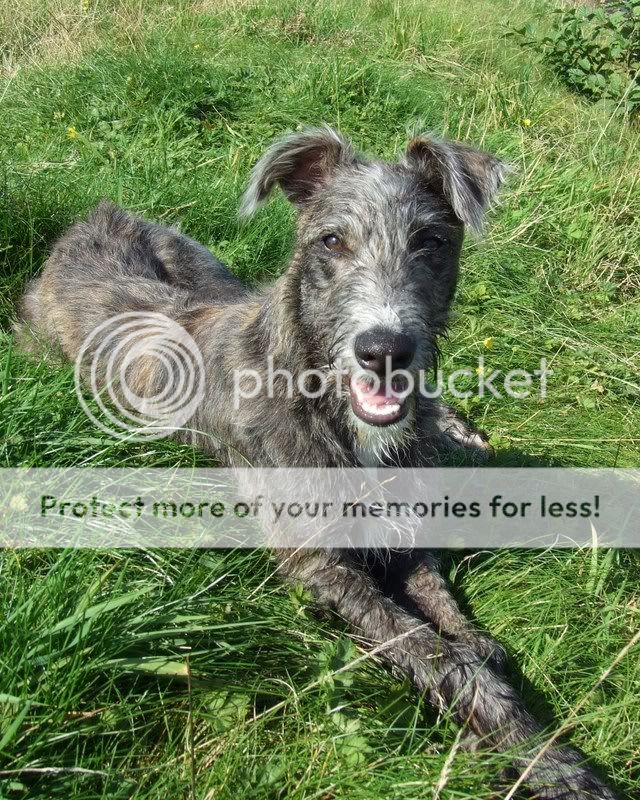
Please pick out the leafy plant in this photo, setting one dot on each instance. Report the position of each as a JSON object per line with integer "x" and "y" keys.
{"x": 596, "y": 51}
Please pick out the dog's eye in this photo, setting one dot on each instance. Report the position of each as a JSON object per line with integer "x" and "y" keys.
{"x": 428, "y": 242}
{"x": 332, "y": 242}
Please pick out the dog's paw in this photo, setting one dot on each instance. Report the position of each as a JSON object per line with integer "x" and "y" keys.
{"x": 489, "y": 650}
{"x": 455, "y": 433}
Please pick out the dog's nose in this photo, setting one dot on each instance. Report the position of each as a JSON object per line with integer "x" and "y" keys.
{"x": 373, "y": 348}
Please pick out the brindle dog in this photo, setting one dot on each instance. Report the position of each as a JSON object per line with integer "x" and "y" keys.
{"x": 370, "y": 284}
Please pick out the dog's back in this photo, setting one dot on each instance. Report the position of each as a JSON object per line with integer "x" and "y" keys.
{"x": 116, "y": 263}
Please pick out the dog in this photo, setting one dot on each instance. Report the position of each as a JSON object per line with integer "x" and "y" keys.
{"x": 369, "y": 286}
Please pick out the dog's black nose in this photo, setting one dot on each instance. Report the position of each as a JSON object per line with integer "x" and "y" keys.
{"x": 375, "y": 346}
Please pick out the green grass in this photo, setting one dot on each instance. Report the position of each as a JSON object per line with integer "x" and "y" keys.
{"x": 155, "y": 671}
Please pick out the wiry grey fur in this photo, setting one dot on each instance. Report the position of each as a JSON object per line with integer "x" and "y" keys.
{"x": 386, "y": 274}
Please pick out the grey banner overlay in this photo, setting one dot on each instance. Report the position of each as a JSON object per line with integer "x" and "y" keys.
{"x": 296, "y": 508}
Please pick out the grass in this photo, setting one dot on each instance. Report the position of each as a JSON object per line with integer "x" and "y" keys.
{"x": 185, "y": 674}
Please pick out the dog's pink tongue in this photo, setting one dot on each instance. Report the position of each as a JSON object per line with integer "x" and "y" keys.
{"x": 377, "y": 396}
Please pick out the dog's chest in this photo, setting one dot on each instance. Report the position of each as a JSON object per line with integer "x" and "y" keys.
{"x": 368, "y": 456}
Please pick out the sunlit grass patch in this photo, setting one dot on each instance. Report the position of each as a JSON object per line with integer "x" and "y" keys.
{"x": 134, "y": 674}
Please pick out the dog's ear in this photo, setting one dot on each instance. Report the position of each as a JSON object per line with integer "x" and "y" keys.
{"x": 300, "y": 163}
{"x": 467, "y": 177}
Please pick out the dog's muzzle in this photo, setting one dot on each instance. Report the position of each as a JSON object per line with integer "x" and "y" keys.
{"x": 379, "y": 394}
{"x": 378, "y": 402}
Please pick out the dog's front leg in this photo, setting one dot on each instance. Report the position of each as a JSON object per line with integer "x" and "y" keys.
{"x": 451, "y": 673}
{"x": 404, "y": 641}
{"x": 430, "y": 591}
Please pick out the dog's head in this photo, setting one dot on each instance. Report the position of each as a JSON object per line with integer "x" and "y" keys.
{"x": 376, "y": 258}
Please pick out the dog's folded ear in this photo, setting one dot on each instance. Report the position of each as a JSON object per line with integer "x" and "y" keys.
{"x": 468, "y": 178}
{"x": 300, "y": 163}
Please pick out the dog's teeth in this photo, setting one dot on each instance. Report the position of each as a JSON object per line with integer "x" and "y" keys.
{"x": 381, "y": 411}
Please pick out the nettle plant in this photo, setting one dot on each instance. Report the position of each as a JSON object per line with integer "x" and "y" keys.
{"x": 596, "y": 51}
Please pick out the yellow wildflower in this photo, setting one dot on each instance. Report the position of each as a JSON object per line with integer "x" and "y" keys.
{"x": 488, "y": 342}
{"x": 526, "y": 122}
{"x": 480, "y": 370}
{"x": 72, "y": 133}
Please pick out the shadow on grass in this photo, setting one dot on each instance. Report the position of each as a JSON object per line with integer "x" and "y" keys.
{"x": 31, "y": 220}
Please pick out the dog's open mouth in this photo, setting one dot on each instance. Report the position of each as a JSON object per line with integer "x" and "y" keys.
{"x": 378, "y": 403}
